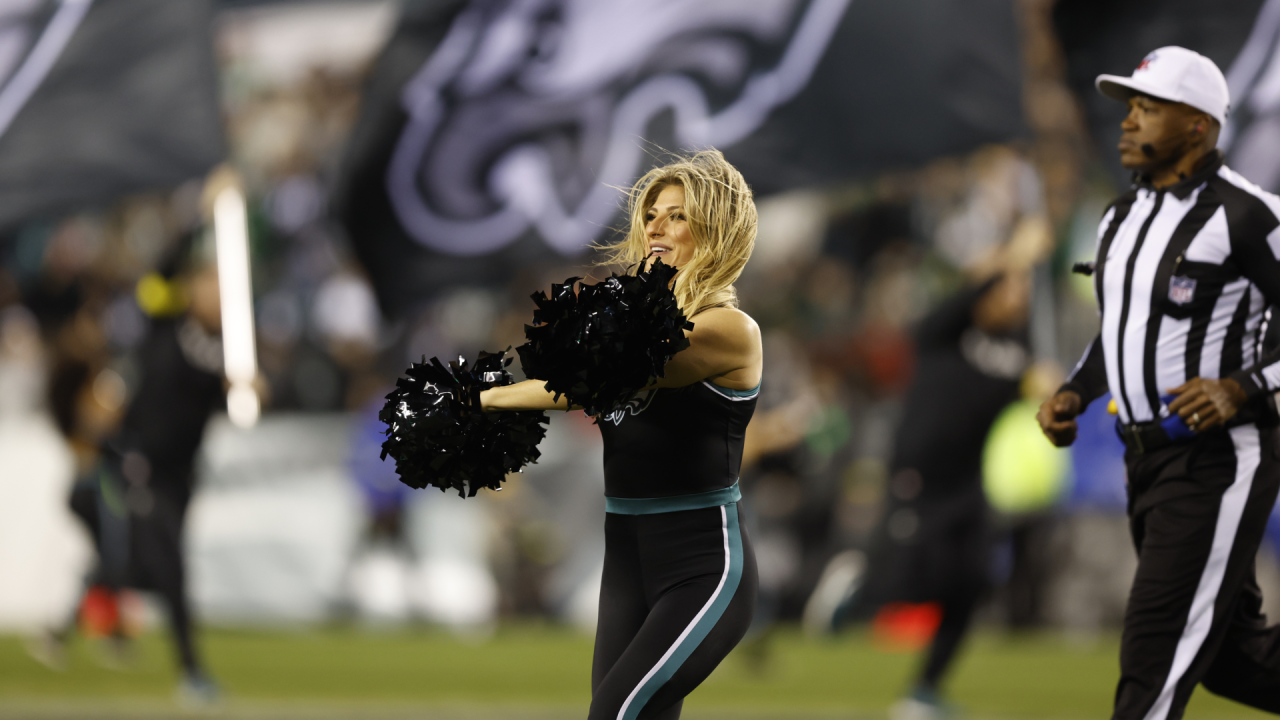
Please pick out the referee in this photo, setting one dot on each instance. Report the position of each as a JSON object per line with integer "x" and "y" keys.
{"x": 1187, "y": 263}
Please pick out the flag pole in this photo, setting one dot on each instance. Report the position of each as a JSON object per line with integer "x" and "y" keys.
{"x": 235, "y": 287}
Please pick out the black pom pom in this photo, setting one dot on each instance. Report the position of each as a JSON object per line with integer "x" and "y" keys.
{"x": 439, "y": 436}
{"x": 603, "y": 343}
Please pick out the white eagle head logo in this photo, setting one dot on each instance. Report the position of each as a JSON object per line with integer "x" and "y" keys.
{"x": 33, "y": 34}
{"x": 530, "y": 113}
{"x": 21, "y": 22}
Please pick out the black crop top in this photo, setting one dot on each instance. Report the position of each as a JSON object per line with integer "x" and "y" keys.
{"x": 676, "y": 441}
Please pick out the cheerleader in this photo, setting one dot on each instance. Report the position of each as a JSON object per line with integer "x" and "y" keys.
{"x": 679, "y": 585}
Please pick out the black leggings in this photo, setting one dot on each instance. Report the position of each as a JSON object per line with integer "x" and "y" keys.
{"x": 160, "y": 566}
{"x": 678, "y": 593}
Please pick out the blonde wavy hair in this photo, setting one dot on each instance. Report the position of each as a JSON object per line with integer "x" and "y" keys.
{"x": 722, "y": 219}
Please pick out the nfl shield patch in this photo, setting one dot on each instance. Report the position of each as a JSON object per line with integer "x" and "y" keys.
{"x": 1181, "y": 289}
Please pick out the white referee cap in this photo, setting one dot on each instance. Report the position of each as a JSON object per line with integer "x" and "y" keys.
{"x": 1176, "y": 74}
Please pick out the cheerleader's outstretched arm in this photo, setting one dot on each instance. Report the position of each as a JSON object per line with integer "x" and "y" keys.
{"x": 527, "y": 395}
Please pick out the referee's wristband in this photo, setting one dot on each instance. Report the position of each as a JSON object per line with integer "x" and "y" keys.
{"x": 1250, "y": 380}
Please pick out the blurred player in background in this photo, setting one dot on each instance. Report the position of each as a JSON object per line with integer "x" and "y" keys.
{"x": 932, "y": 544}
{"x": 134, "y": 494}
{"x": 86, "y": 399}
{"x": 181, "y": 385}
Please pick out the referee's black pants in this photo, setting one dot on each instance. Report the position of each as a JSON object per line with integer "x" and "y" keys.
{"x": 1197, "y": 512}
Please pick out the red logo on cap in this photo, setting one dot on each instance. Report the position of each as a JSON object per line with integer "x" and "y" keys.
{"x": 1143, "y": 65}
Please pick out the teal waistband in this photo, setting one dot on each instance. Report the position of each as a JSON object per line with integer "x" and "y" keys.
{"x": 675, "y": 503}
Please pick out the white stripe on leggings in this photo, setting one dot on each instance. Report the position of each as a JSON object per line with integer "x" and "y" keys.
{"x": 724, "y": 527}
{"x": 1248, "y": 456}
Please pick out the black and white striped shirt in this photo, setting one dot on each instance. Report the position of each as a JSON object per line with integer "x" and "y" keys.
{"x": 1184, "y": 276}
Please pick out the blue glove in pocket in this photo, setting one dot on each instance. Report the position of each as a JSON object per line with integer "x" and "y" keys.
{"x": 1172, "y": 422}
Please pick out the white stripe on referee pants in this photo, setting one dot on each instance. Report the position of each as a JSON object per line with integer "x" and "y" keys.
{"x": 724, "y": 528}
{"x": 1248, "y": 444}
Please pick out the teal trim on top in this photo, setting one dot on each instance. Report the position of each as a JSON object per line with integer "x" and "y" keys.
{"x": 702, "y": 623}
{"x": 731, "y": 393}
{"x": 674, "y": 503}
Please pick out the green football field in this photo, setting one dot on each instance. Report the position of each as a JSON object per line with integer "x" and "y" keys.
{"x": 529, "y": 672}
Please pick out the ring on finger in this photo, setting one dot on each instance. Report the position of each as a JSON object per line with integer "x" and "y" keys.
{"x": 1195, "y": 418}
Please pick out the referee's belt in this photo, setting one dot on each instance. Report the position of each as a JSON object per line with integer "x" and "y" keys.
{"x": 1145, "y": 437}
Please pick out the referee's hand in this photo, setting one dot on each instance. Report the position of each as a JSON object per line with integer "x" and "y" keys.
{"x": 1205, "y": 404}
{"x": 1057, "y": 418}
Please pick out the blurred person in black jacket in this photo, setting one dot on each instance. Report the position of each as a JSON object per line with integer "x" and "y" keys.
{"x": 85, "y": 397}
{"x": 932, "y": 543}
{"x": 134, "y": 501}
{"x": 180, "y": 386}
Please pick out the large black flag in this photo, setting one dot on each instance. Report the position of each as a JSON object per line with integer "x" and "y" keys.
{"x": 499, "y": 130}
{"x": 1252, "y": 135}
{"x": 99, "y": 98}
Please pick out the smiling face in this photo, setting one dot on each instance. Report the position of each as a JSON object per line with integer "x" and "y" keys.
{"x": 667, "y": 227}
{"x": 698, "y": 215}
